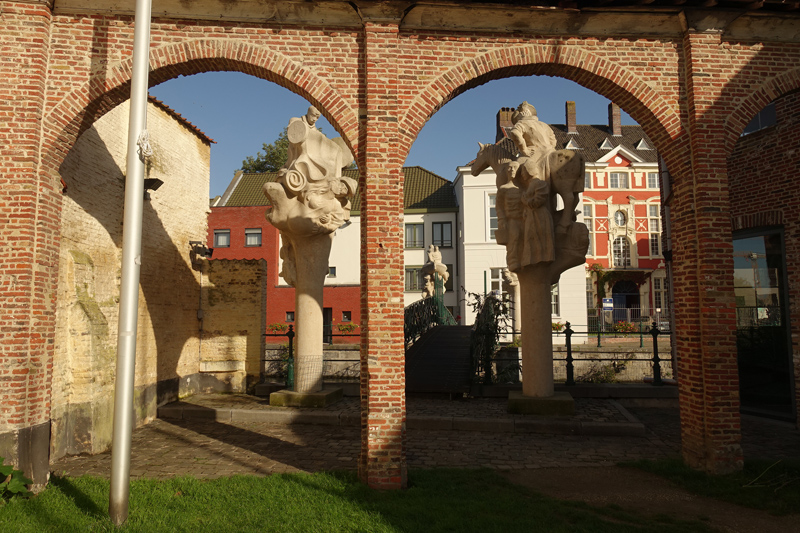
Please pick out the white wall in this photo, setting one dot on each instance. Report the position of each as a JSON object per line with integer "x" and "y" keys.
{"x": 480, "y": 253}
{"x": 419, "y": 256}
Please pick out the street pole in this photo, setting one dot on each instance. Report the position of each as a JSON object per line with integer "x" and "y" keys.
{"x": 131, "y": 263}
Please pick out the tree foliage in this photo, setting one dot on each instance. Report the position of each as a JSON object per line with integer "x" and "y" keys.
{"x": 272, "y": 158}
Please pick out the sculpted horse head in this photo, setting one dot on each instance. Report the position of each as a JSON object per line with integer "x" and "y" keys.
{"x": 482, "y": 160}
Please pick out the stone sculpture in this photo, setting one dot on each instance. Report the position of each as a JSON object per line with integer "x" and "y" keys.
{"x": 540, "y": 241}
{"x": 433, "y": 267}
{"x": 309, "y": 201}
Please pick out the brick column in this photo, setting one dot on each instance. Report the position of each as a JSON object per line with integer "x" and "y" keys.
{"x": 382, "y": 463}
{"x": 703, "y": 270}
{"x": 30, "y": 207}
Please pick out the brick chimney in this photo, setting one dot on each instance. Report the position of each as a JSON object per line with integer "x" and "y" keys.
{"x": 614, "y": 119}
{"x": 571, "y": 125}
{"x": 503, "y": 121}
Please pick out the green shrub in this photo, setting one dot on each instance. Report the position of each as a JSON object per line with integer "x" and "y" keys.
{"x": 13, "y": 482}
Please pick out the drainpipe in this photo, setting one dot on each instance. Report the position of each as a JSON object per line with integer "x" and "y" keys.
{"x": 131, "y": 263}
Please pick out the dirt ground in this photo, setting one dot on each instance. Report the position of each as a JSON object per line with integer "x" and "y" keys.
{"x": 648, "y": 494}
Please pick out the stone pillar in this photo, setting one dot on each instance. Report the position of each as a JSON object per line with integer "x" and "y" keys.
{"x": 30, "y": 205}
{"x": 311, "y": 274}
{"x": 537, "y": 356}
{"x": 703, "y": 270}
{"x": 382, "y": 463}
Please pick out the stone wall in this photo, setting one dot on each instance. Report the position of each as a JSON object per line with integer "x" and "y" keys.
{"x": 233, "y": 310}
{"x": 89, "y": 276}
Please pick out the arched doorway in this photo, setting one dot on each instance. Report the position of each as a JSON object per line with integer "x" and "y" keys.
{"x": 626, "y": 300}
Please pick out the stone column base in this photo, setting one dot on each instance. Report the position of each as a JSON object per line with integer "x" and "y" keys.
{"x": 559, "y": 404}
{"x": 288, "y": 398}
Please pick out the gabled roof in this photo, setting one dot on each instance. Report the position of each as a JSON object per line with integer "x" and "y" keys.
{"x": 590, "y": 138}
{"x": 424, "y": 190}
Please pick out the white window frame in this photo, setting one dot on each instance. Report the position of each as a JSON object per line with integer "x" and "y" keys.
{"x": 218, "y": 235}
{"x": 555, "y": 301}
{"x": 491, "y": 205}
{"x": 621, "y": 254}
{"x": 618, "y": 180}
{"x": 417, "y": 285}
{"x": 652, "y": 180}
{"x": 418, "y": 240}
{"x": 442, "y": 242}
{"x": 252, "y": 232}
{"x": 654, "y": 225}
{"x": 588, "y": 220}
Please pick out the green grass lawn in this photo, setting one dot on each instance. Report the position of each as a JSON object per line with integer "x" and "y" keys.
{"x": 767, "y": 485}
{"x": 436, "y": 500}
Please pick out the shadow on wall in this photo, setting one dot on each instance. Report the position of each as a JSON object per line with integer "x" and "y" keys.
{"x": 90, "y": 270}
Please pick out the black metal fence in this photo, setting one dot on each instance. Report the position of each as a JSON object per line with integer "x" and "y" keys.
{"x": 619, "y": 354}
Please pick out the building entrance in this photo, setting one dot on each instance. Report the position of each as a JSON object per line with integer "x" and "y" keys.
{"x": 626, "y": 301}
{"x": 762, "y": 325}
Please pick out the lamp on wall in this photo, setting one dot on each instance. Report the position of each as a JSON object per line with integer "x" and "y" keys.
{"x": 151, "y": 184}
{"x": 201, "y": 250}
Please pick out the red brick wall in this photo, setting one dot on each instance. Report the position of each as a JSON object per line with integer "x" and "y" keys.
{"x": 29, "y": 222}
{"x": 378, "y": 86}
{"x": 763, "y": 171}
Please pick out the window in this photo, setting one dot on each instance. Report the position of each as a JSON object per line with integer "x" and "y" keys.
{"x": 252, "y": 237}
{"x": 443, "y": 234}
{"x": 587, "y": 180}
{"x": 492, "y": 216}
{"x": 554, "y": 307}
{"x": 496, "y": 281}
{"x": 652, "y": 180}
{"x": 289, "y": 316}
{"x": 655, "y": 229}
{"x": 618, "y": 180}
{"x": 622, "y": 252}
{"x": 222, "y": 238}
{"x": 414, "y": 236}
{"x": 413, "y": 279}
{"x": 765, "y": 118}
{"x": 347, "y": 316}
{"x": 619, "y": 218}
{"x": 589, "y": 221}
{"x": 660, "y": 288}
{"x": 591, "y": 301}
{"x": 331, "y": 272}
{"x": 448, "y": 286}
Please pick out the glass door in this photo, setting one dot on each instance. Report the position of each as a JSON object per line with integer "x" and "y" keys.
{"x": 762, "y": 325}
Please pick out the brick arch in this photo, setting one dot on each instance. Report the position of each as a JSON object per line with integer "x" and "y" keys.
{"x": 658, "y": 118}
{"x": 83, "y": 106}
{"x": 755, "y": 102}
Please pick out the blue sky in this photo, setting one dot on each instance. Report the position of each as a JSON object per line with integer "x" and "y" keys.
{"x": 241, "y": 112}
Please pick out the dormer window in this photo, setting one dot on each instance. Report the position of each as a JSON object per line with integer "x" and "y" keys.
{"x": 606, "y": 145}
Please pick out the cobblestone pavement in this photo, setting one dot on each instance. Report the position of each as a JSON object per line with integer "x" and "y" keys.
{"x": 586, "y": 409}
{"x": 209, "y": 449}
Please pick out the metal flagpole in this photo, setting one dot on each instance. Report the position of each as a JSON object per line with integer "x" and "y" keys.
{"x": 131, "y": 262}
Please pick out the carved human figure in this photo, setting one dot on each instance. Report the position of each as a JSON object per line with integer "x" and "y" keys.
{"x": 433, "y": 267}
{"x": 510, "y": 213}
{"x": 309, "y": 200}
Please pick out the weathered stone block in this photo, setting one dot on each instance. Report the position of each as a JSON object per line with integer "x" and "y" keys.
{"x": 559, "y": 404}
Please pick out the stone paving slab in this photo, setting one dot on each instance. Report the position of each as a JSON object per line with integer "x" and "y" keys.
{"x": 592, "y": 416}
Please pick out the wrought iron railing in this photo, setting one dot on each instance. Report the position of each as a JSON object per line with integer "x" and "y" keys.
{"x": 427, "y": 313}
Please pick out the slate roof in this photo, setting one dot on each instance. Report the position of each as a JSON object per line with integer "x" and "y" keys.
{"x": 424, "y": 190}
{"x": 590, "y": 138}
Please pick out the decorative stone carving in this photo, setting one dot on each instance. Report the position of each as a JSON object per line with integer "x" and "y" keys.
{"x": 430, "y": 269}
{"x": 309, "y": 201}
{"x": 540, "y": 241}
